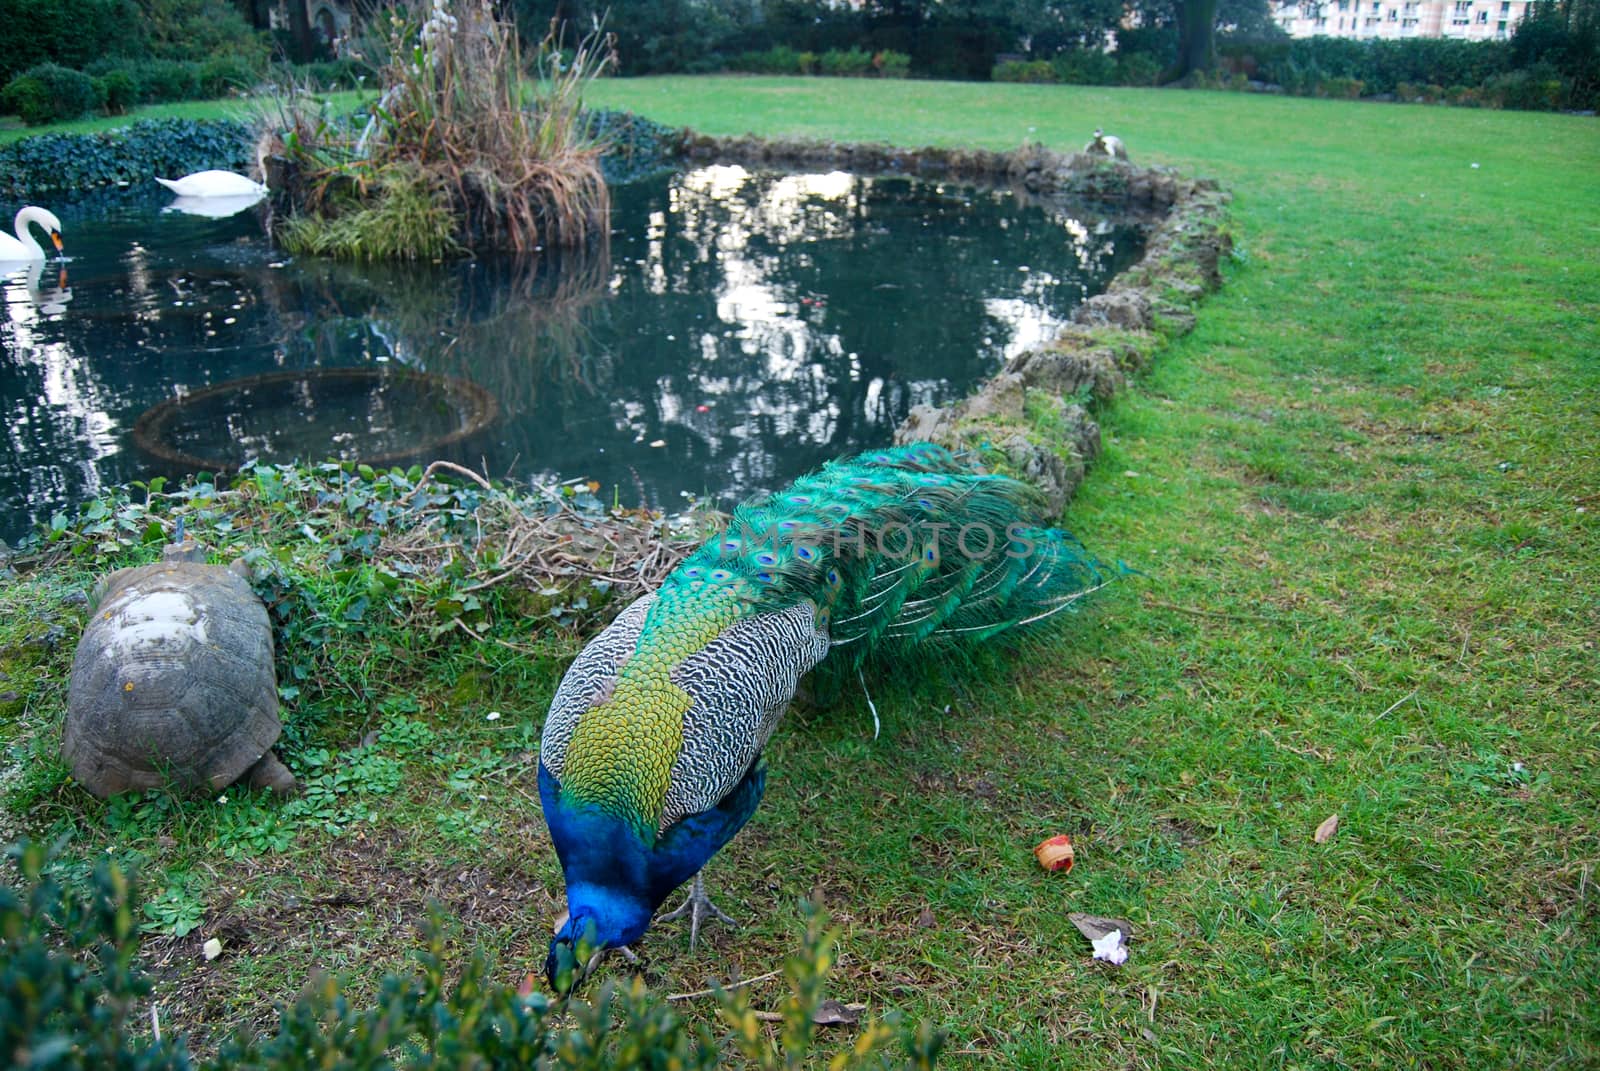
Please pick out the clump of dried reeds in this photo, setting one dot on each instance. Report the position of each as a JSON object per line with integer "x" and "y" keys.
{"x": 466, "y": 129}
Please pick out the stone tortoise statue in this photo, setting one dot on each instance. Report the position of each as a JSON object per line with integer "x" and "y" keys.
{"x": 173, "y": 684}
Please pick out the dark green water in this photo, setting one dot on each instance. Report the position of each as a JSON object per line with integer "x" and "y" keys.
{"x": 741, "y": 329}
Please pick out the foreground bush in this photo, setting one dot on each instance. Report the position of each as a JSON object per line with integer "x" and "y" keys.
{"x": 71, "y": 993}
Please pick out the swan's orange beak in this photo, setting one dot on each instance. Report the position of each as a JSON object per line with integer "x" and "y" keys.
{"x": 55, "y": 236}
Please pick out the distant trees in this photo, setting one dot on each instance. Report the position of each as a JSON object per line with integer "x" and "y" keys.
{"x": 1562, "y": 38}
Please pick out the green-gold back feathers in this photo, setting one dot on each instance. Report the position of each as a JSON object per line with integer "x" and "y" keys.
{"x": 895, "y": 547}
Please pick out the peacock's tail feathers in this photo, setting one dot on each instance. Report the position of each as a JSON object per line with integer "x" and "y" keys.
{"x": 895, "y": 548}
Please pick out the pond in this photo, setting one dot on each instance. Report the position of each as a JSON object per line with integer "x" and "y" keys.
{"x": 741, "y": 328}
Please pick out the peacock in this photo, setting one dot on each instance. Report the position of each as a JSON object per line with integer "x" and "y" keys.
{"x": 651, "y": 756}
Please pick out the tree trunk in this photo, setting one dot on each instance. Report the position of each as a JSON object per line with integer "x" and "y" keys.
{"x": 302, "y": 42}
{"x": 1197, "y": 23}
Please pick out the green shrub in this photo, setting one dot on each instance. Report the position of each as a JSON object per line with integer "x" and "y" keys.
{"x": 29, "y": 99}
{"x": 809, "y": 62}
{"x": 336, "y": 74}
{"x": 1138, "y": 69}
{"x": 1036, "y": 71}
{"x": 839, "y": 63}
{"x": 49, "y": 92}
{"x": 1533, "y": 90}
{"x": 1085, "y": 67}
{"x": 1407, "y": 93}
{"x": 71, "y": 996}
{"x": 891, "y": 64}
{"x": 1381, "y": 66}
{"x": 117, "y": 91}
{"x": 69, "y": 32}
{"x": 224, "y": 75}
{"x": 198, "y": 30}
{"x": 780, "y": 59}
{"x": 1342, "y": 88}
{"x": 161, "y": 81}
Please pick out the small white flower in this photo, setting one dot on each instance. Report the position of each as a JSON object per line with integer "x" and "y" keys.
{"x": 1111, "y": 949}
{"x": 494, "y": 715}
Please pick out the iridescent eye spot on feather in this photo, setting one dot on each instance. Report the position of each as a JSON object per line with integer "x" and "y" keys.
{"x": 833, "y": 578}
{"x": 720, "y": 576}
{"x": 730, "y": 546}
{"x": 766, "y": 557}
{"x": 800, "y": 500}
{"x": 805, "y": 553}
{"x": 925, "y": 504}
{"x": 765, "y": 578}
{"x": 788, "y": 526}
{"x": 839, "y": 509}
{"x": 693, "y": 572}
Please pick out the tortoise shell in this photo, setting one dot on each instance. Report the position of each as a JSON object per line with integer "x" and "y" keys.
{"x": 172, "y": 682}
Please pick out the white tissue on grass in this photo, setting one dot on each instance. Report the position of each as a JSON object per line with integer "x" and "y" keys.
{"x": 1110, "y": 948}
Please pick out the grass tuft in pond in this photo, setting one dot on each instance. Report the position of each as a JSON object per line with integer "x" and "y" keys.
{"x": 409, "y": 215}
{"x": 466, "y": 130}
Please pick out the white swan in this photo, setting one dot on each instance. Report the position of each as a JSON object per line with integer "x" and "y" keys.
{"x": 22, "y": 248}
{"x": 215, "y": 207}
{"x": 213, "y": 184}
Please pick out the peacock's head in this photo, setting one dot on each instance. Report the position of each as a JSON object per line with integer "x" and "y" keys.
{"x": 600, "y": 918}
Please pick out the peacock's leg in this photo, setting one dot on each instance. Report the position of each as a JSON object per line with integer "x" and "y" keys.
{"x": 698, "y": 907}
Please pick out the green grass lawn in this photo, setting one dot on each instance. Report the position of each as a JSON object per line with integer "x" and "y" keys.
{"x": 11, "y": 128}
{"x": 1361, "y": 501}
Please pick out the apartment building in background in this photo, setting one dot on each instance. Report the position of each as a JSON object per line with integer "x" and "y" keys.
{"x": 1468, "y": 20}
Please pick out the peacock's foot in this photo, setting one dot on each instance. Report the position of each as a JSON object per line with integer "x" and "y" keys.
{"x": 622, "y": 950}
{"x": 698, "y": 907}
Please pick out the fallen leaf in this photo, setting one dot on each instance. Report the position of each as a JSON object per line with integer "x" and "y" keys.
{"x": 1055, "y": 853}
{"x": 593, "y": 486}
{"x": 831, "y": 1013}
{"x": 1325, "y": 832}
{"x": 925, "y": 920}
{"x": 526, "y": 988}
{"x": 1095, "y": 927}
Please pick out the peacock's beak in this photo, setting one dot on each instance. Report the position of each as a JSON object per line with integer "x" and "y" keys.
{"x": 55, "y": 236}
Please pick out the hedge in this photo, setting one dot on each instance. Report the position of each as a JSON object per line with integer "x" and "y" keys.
{"x": 135, "y": 153}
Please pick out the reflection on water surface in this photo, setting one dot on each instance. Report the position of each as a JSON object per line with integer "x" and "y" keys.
{"x": 742, "y": 328}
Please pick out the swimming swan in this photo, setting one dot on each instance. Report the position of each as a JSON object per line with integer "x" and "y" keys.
{"x": 213, "y": 184}
{"x": 23, "y": 248}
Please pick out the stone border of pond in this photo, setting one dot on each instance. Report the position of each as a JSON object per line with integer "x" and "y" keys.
{"x": 1033, "y": 417}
